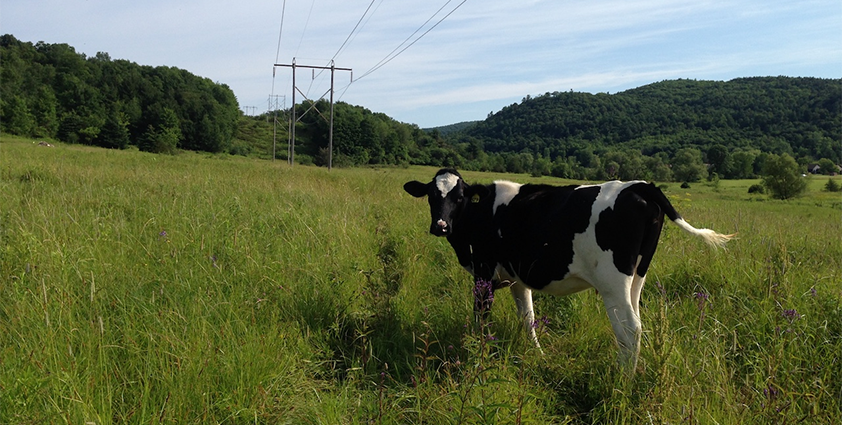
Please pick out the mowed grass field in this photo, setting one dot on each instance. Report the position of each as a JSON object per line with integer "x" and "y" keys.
{"x": 140, "y": 288}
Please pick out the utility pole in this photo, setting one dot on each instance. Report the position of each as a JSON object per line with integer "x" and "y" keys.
{"x": 293, "y": 120}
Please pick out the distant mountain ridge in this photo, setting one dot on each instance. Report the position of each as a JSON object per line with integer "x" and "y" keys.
{"x": 802, "y": 116}
{"x": 446, "y": 130}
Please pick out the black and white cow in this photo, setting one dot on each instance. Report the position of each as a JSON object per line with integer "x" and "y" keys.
{"x": 558, "y": 240}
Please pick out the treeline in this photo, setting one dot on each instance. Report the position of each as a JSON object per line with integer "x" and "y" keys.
{"x": 51, "y": 91}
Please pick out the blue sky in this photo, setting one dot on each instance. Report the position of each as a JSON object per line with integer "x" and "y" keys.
{"x": 485, "y": 55}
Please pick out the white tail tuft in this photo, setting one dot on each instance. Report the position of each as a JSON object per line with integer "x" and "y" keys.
{"x": 712, "y": 238}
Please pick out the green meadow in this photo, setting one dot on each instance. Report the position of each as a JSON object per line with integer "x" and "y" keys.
{"x": 198, "y": 288}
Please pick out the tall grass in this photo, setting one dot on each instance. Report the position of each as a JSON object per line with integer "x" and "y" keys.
{"x": 212, "y": 289}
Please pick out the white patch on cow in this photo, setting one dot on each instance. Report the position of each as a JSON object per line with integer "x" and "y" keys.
{"x": 591, "y": 265}
{"x": 446, "y": 182}
{"x": 504, "y": 192}
{"x": 608, "y": 193}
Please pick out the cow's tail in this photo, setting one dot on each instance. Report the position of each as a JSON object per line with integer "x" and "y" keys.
{"x": 652, "y": 193}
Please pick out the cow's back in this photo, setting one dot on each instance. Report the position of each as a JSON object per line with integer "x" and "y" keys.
{"x": 546, "y": 233}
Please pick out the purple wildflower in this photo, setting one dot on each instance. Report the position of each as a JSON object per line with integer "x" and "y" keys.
{"x": 661, "y": 288}
{"x": 163, "y": 234}
{"x": 541, "y": 322}
{"x": 791, "y": 315}
{"x": 701, "y": 299}
{"x": 483, "y": 295}
{"x": 813, "y": 291}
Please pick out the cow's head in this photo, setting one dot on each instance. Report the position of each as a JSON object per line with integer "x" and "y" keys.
{"x": 448, "y": 195}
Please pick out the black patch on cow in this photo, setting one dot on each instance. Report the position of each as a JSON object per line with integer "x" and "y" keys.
{"x": 630, "y": 228}
{"x": 476, "y": 243}
{"x": 537, "y": 228}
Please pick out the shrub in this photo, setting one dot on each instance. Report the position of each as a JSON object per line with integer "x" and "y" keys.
{"x": 757, "y": 188}
{"x": 832, "y": 186}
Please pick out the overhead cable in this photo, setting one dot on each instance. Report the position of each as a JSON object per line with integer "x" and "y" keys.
{"x": 388, "y": 58}
{"x": 393, "y": 55}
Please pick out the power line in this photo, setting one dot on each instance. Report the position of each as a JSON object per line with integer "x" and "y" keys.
{"x": 278, "y": 52}
{"x": 392, "y": 55}
{"x": 281, "y": 31}
{"x": 352, "y": 31}
{"x": 385, "y": 60}
{"x": 304, "y": 31}
{"x": 378, "y": 64}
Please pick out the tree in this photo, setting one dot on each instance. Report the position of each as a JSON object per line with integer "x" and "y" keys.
{"x": 16, "y": 117}
{"x": 687, "y": 165}
{"x": 658, "y": 168}
{"x": 720, "y": 160}
{"x": 163, "y": 137}
{"x": 115, "y": 133}
{"x": 827, "y": 167}
{"x": 782, "y": 177}
{"x": 742, "y": 164}
{"x": 44, "y": 111}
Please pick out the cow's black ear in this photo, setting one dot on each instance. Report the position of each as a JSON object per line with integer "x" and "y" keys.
{"x": 477, "y": 192}
{"x": 416, "y": 188}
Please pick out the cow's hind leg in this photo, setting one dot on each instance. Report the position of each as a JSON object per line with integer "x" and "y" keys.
{"x": 637, "y": 289}
{"x": 523, "y": 299}
{"x": 617, "y": 297}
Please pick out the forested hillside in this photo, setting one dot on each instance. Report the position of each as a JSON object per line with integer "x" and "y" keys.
{"x": 51, "y": 91}
{"x": 673, "y": 130}
{"x": 726, "y": 124}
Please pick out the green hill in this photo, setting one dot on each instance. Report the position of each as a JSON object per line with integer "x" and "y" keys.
{"x": 51, "y": 91}
{"x": 646, "y": 132}
{"x": 800, "y": 116}
{"x": 447, "y": 130}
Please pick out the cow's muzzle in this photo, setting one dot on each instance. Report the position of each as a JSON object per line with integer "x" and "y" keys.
{"x": 440, "y": 228}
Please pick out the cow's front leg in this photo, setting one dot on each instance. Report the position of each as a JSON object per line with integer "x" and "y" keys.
{"x": 523, "y": 299}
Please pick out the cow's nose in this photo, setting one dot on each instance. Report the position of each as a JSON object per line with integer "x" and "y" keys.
{"x": 439, "y": 228}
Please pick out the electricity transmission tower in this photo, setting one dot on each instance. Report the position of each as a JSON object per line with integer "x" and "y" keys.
{"x": 274, "y": 105}
{"x": 293, "y": 120}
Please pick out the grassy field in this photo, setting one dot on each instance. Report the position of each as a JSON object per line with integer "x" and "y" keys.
{"x": 142, "y": 288}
